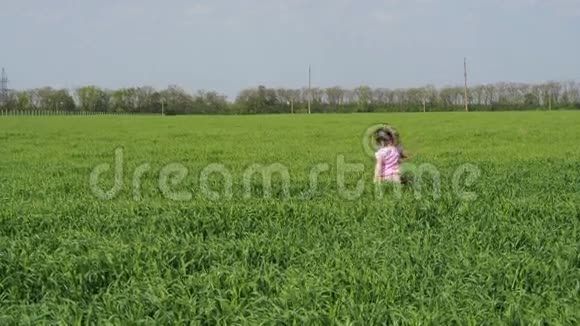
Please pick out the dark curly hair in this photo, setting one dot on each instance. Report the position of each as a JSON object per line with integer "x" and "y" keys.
{"x": 384, "y": 135}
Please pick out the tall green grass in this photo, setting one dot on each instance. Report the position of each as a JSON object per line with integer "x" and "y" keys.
{"x": 509, "y": 256}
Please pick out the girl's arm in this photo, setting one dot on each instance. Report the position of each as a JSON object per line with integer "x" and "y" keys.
{"x": 402, "y": 153}
{"x": 378, "y": 169}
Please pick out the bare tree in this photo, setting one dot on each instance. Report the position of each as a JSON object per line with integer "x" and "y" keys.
{"x": 379, "y": 96}
{"x": 334, "y": 96}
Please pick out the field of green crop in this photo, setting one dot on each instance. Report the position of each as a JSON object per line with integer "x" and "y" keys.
{"x": 306, "y": 256}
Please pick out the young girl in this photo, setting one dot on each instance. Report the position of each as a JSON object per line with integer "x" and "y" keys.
{"x": 389, "y": 156}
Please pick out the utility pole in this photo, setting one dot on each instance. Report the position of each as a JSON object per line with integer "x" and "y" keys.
{"x": 465, "y": 75}
{"x": 309, "y": 88}
{"x": 3, "y": 87}
{"x": 162, "y": 107}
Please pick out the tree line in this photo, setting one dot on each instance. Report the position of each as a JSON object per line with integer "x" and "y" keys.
{"x": 176, "y": 101}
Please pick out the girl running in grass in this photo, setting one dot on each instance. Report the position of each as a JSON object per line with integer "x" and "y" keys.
{"x": 389, "y": 155}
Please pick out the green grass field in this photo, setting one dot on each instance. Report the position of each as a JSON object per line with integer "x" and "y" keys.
{"x": 511, "y": 255}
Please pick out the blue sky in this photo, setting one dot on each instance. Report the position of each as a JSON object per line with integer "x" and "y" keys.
{"x": 230, "y": 45}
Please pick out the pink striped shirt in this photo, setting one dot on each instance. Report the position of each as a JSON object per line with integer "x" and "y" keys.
{"x": 388, "y": 161}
